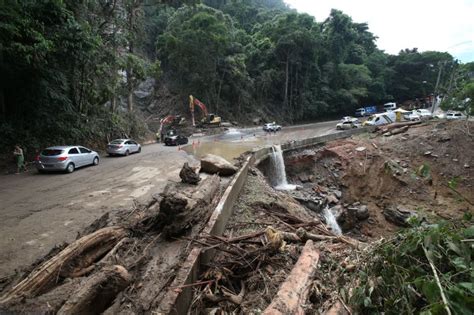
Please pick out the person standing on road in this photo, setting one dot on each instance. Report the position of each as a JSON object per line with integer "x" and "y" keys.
{"x": 20, "y": 159}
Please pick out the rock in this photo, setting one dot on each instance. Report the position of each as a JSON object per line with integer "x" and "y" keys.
{"x": 455, "y": 160}
{"x": 466, "y": 165}
{"x": 188, "y": 175}
{"x": 348, "y": 219}
{"x": 360, "y": 149}
{"x": 338, "y": 194}
{"x": 304, "y": 178}
{"x": 355, "y": 204}
{"x": 399, "y": 215}
{"x": 332, "y": 199}
{"x": 312, "y": 204}
{"x": 362, "y": 213}
{"x": 214, "y": 164}
{"x": 427, "y": 153}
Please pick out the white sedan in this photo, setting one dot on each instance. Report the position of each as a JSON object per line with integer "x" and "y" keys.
{"x": 348, "y": 124}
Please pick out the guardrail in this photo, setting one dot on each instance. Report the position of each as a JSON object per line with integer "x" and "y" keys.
{"x": 179, "y": 296}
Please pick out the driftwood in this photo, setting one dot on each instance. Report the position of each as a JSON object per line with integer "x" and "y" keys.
{"x": 386, "y": 128}
{"x": 98, "y": 292}
{"x": 69, "y": 262}
{"x": 183, "y": 205}
{"x": 396, "y": 131}
{"x": 294, "y": 291}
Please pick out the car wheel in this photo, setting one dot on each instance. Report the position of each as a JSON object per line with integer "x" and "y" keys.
{"x": 41, "y": 171}
{"x": 139, "y": 150}
{"x": 127, "y": 153}
{"x": 70, "y": 168}
{"x": 96, "y": 161}
{"x": 185, "y": 141}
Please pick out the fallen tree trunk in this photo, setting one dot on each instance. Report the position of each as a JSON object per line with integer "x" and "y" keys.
{"x": 70, "y": 261}
{"x": 396, "y": 131}
{"x": 294, "y": 291}
{"x": 98, "y": 292}
{"x": 389, "y": 127}
{"x": 184, "y": 205}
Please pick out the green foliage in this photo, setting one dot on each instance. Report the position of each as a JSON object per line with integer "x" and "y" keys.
{"x": 398, "y": 278}
{"x": 62, "y": 60}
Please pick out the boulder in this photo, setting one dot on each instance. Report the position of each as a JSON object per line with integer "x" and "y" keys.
{"x": 362, "y": 213}
{"x": 399, "y": 215}
{"x": 213, "y": 164}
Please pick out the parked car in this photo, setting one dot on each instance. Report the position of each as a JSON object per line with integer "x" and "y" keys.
{"x": 172, "y": 138}
{"x": 123, "y": 147}
{"x": 348, "y": 124}
{"x": 271, "y": 127}
{"x": 419, "y": 114}
{"x": 455, "y": 115}
{"x": 65, "y": 158}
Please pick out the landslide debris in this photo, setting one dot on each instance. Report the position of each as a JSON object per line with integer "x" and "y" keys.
{"x": 375, "y": 185}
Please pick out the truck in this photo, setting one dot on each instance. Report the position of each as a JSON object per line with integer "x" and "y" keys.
{"x": 366, "y": 111}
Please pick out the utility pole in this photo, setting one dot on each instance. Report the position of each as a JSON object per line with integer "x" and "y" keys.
{"x": 433, "y": 101}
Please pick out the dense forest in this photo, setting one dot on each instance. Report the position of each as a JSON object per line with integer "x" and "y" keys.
{"x": 70, "y": 67}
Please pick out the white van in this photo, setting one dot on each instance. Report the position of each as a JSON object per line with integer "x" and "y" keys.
{"x": 380, "y": 119}
{"x": 390, "y": 106}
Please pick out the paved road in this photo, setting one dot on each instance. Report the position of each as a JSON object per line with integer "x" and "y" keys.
{"x": 38, "y": 211}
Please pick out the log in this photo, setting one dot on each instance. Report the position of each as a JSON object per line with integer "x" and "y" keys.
{"x": 396, "y": 131}
{"x": 75, "y": 257}
{"x": 389, "y": 127}
{"x": 293, "y": 293}
{"x": 98, "y": 292}
{"x": 182, "y": 206}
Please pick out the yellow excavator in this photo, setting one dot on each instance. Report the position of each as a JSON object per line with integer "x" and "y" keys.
{"x": 208, "y": 119}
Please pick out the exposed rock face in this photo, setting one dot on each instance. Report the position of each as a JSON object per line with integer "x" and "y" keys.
{"x": 213, "y": 164}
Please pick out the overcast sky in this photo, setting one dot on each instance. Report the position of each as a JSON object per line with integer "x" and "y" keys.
{"x": 441, "y": 25}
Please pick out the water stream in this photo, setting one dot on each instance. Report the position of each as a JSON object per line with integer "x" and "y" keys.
{"x": 279, "y": 174}
{"x": 331, "y": 221}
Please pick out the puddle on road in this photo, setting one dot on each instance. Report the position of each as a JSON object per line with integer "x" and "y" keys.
{"x": 233, "y": 143}
{"x": 228, "y": 151}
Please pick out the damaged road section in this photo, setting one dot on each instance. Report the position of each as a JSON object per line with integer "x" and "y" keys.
{"x": 122, "y": 262}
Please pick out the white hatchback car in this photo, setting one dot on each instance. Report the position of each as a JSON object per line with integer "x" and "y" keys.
{"x": 455, "y": 115}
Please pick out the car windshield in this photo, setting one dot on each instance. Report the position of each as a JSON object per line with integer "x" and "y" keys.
{"x": 51, "y": 152}
{"x": 116, "y": 142}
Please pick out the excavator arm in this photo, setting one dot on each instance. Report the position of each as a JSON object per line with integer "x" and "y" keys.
{"x": 195, "y": 102}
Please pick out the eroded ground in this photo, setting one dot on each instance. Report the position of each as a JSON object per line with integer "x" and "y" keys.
{"x": 371, "y": 183}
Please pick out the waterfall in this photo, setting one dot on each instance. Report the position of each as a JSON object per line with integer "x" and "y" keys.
{"x": 278, "y": 173}
{"x": 331, "y": 221}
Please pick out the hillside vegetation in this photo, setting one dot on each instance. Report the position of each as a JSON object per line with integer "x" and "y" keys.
{"x": 70, "y": 68}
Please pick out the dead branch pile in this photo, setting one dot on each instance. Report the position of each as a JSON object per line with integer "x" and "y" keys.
{"x": 247, "y": 272}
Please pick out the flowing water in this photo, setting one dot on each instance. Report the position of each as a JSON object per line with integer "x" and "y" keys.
{"x": 278, "y": 173}
{"x": 331, "y": 221}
